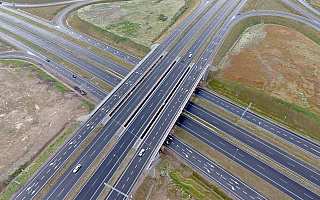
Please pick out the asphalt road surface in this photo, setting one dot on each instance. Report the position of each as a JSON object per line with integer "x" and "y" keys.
{"x": 170, "y": 109}
{"x": 274, "y": 153}
{"x": 271, "y": 127}
{"x": 53, "y": 67}
{"x": 267, "y": 173}
{"x": 79, "y": 36}
{"x": 34, "y": 186}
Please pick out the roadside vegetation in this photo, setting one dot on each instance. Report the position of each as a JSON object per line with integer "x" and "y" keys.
{"x": 275, "y": 5}
{"x": 47, "y": 12}
{"x": 28, "y": 172}
{"x": 131, "y": 27}
{"x": 174, "y": 179}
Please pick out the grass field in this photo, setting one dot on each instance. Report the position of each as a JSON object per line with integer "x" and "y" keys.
{"x": 138, "y": 20}
{"x": 127, "y": 27}
{"x": 47, "y": 13}
{"x": 276, "y": 5}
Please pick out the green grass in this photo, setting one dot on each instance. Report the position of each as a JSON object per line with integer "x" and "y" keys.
{"x": 194, "y": 185}
{"x": 36, "y": 164}
{"x": 87, "y": 105}
{"x": 297, "y": 118}
{"x": 14, "y": 63}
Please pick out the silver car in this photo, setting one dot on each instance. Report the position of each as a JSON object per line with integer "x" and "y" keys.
{"x": 76, "y": 169}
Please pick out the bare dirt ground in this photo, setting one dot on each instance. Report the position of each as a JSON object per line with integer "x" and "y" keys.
{"x": 278, "y": 61}
{"x": 31, "y": 113}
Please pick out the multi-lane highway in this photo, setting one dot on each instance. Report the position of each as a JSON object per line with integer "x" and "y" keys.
{"x": 291, "y": 162}
{"x": 259, "y": 168}
{"x": 273, "y": 128}
{"x": 170, "y": 107}
{"x": 215, "y": 172}
{"x": 34, "y": 186}
{"x": 79, "y": 36}
{"x": 180, "y": 90}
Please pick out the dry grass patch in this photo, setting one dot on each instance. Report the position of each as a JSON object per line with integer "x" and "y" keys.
{"x": 281, "y": 63}
{"x": 139, "y": 20}
{"x": 275, "y": 5}
{"x": 47, "y": 13}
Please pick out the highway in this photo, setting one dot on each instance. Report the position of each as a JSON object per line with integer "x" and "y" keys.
{"x": 66, "y": 44}
{"x": 71, "y": 58}
{"x": 271, "y": 127}
{"x": 213, "y": 171}
{"x": 79, "y": 36}
{"x": 170, "y": 108}
{"x": 259, "y": 168}
{"x": 141, "y": 73}
{"x": 128, "y": 84}
{"x": 140, "y": 121}
{"x": 250, "y": 140}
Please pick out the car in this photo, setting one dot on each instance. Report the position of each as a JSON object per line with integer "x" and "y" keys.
{"x": 47, "y": 59}
{"x": 74, "y": 76}
{"x": 190, "y": 55}
{"x": 142, "y": 151}
{"x": 76, "y": 169}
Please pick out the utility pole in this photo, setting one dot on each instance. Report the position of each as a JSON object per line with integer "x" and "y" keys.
{"x": 234, "y": 155}
{"x": 112, "y": 188}
{"x": 245, "y": 110}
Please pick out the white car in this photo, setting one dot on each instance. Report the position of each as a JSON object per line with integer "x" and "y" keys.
{"x": 141, "y": 152}
{"x": 190, "y": 55}
{"x": 76, "y": 169}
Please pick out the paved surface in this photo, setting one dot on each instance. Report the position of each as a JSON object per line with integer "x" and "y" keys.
{"x": 115, "y": 68}
{"x": 271, "y": 127}
{"x": 213, "y": 171}
{"x": 259, "y": 168}
{"x": 35, "y": 185}
{"x": 120, "y": 95}
{"x": 250, "y": 140}
{"x": 170, "y": 107}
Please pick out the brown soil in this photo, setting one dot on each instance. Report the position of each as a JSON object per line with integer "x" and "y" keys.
{"x": 284, "y": 64}
{"x": 31, "y": 113}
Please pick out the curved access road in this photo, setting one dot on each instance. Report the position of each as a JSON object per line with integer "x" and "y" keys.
{"x": 40, "y": 4}
{"x": 79, "y": 36}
